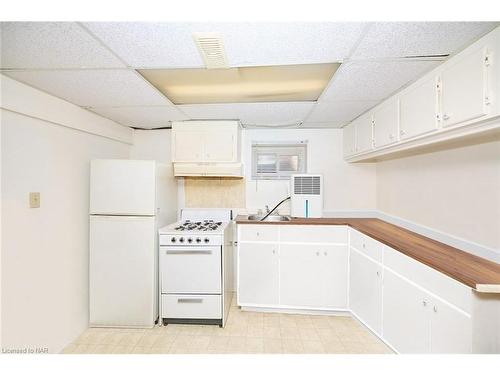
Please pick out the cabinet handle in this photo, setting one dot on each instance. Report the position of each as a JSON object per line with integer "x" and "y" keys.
{"x": 317, "y": 253}
{"x": 326, "y": 253}
{"x": 257, "y": 234}
{"x": 435, "y": 309}
{"x": 378, "y": 273}
{"x": 424, "y": 302}
{"x": 446, "y": 117}
{"x": 274, "y": 251}
{"x": 402, "y": 132}
{"x": 364, "y": 246}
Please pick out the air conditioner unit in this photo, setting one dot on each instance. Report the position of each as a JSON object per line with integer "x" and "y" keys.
{"x": 306, "y": 195}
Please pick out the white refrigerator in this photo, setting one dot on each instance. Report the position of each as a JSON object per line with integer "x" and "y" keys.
{"x": 129, "y": 201}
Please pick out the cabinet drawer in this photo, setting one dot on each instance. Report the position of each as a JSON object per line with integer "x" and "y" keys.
{"x": 314, "y": 233}
{"x": 428, "y": 278}
{"x": 191, "y": 306}
{"x": 367, "y": 245}
{"x": 259, "y": 232}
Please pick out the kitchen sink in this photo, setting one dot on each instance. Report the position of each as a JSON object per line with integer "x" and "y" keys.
{"x": 269, "y": 218}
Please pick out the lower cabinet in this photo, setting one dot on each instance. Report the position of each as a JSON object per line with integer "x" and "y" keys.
{"x": 258, "y": 274}
{"x": 451, "y": 329}
{"x": 416, "y": 322}
{"x": 405, "y": 317}
{"x": 313, "y": 276}
{"x": 365, "y": 290}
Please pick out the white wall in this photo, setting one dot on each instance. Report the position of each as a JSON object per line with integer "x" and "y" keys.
{"x": 152, "y": 145}
{"x": 45, "y": 250}
{"x": 346, "y": 186}
{"x": 455, "y": 191}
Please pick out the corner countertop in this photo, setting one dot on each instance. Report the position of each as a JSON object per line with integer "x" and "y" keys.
{"x": 476, "y": 272}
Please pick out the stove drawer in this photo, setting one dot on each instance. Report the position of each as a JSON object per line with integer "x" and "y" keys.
{"x": 191, "y": 306}
{"x": 190, "y": 269}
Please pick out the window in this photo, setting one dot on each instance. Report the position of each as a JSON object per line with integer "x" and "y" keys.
{"x": 271, "y": 161}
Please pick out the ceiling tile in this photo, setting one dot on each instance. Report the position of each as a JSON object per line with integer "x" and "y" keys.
{"x": 400, "y": 39}
{"x": 339, "y": 112}
{"x": 282, "y": 113}
{"x": 51, "y": 45}
{"x": 146, "y": 117}
{"x": 369, "y": 80}
{"x": 322, "y": 125}
{"x": 169, "y": 45}
{"x": 94, "y": 88}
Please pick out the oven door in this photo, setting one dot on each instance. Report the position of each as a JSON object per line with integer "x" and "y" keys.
{"x": 190, "y": 269}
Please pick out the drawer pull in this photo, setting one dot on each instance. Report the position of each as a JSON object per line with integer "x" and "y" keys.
{"x": 188, "y": 252}
{"x": 189, "y": 300}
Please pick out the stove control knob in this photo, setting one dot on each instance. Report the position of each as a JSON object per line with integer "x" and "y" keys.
{"x": 190, "y": 240}
{"x": 198, "y": 240}
{"x": 181, "y": 239}
{"x": 173, "y": 239}
{"x": 206, "y": 240}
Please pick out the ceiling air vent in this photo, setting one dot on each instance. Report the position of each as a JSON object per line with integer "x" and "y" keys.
{"x": 211, "y": 49}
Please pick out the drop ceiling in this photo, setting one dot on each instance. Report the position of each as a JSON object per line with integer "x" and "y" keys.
{"x": 94, "y": 65}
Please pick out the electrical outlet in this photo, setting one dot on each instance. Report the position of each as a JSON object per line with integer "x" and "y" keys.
{"x": 34, "y": 200}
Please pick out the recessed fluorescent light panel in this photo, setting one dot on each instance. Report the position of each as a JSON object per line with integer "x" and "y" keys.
{"x": 278, "y": 83}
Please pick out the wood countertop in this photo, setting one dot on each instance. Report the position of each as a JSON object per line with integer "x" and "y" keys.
{"x": 478, "y": 273}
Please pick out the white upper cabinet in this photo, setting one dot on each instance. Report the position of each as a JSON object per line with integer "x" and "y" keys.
{"x": 459, "y": 98}
{"x": 220, "y": 146}
{"x": 187, "y": 146}
{"x": 364, "y": 136}
{"x": 349, "y": 139}
{"x": 418, "y": 109}
{"x": 205, "y": 142}
{"x": 464, "y": 89}
{"x": 386, "y": 123}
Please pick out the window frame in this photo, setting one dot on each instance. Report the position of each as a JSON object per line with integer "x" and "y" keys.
{"x": 273, "y": 148}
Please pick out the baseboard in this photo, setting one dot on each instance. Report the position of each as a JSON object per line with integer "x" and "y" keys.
{"x": 299, "y": 311}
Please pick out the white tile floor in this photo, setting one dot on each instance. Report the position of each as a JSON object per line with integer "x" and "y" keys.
{"x": 245, "y": 332}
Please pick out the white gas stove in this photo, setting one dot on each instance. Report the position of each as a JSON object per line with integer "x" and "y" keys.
{"x": 195, "y": 267}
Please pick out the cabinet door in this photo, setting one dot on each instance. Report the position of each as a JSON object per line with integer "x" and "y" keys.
{"x": 405, "y": 315}
{"x": 188, "y": 146}
{"x": 365, "y": 290}
{"x": 364, "y": 137}
{"x": 349, "y": 137}
{"x": 335, "y": 266}
{"x": 418, "y": 110}
{"x": 258, "y": 269}
{"x": 219, "y": 146}
{"x": 301, "y": 279}
{"x": 386, "y": 123}
{"x": 451, "y": 329}
{"x": 464, "y": 89}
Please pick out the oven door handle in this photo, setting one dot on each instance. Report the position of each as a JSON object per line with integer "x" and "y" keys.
{"x": 188, "y": 252}
{"x": 189, "y": 300}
